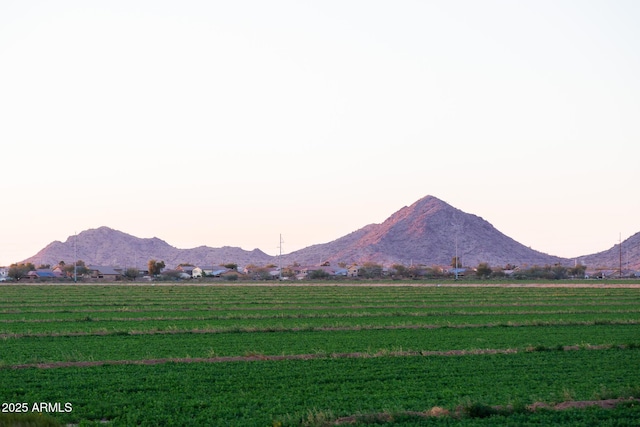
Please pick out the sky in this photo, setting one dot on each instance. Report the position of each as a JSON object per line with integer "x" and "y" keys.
{"x": 231, "y": 123}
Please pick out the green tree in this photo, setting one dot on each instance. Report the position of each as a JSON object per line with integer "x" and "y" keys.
{"x": 18, "y": 271}
{"x": 318, "y": 274}
{"x": 370, "y": 270}
{"x": 558, "y": 272}
{"x": 171, "y": 275}
{"x": 578, "y": 271}
{"x": 131, "y": 273}
{"x": 402, "y": 271}
{"x": 483, "y": 270}
{"x": 264, "y": 274}
{"x": 231, "y": 266}
{"x": 155, "y": 267}
{"x": 288, "y": 272}
{"x": 79, "y": 268}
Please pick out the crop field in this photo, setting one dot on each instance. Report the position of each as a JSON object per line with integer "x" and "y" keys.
{"x": 243, "y": 355}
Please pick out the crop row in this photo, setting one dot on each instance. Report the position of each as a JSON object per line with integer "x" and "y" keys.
{"x": 20, "y": 297}
{"x": 153, "y": 301}
{"x": 138, "y": 323}
{"x": 89, "y": 325}
{"x": 259, "y": 393}
{"x": 25, "y": 350}
{"x": 307, "y": 312}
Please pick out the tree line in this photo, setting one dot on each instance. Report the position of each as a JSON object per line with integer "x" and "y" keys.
{"x": 368, "y": 270}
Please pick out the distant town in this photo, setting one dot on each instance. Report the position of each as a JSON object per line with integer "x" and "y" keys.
{"x": 157, "y": 271}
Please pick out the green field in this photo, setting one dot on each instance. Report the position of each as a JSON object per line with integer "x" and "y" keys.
{"x": 314, "y": 355}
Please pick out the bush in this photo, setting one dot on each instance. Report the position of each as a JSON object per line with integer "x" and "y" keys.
{"x": 318, "y": 274}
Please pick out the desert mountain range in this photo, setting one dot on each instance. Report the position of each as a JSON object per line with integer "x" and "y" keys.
{"x": 427, "y": 232}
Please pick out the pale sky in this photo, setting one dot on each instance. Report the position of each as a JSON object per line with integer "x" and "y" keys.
{"x": 227, "y": 123}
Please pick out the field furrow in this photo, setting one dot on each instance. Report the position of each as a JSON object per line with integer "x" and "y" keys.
{"x": 297, "y": 355}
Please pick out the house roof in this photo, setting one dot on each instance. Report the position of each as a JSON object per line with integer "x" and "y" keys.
{"x": 211, "y": 267}
{"x": 103, "y": 269}
{"x": 42, "y": 272}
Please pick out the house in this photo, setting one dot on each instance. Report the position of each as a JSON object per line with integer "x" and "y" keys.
{"x": 341, "y": 272}
{"x": 353, "y": 271}
{"x": 4, "y": 274}
{"x": 258, "y": 273}
{"x": 458, "y": 272}
{"x": 601, "y": 274}
{"x": 303, "y": 272}
{"x": 510, "y": 272}
{"x": 104, "y": 273}
{"x": 215, "y": 271}
{"x": 41, "y": 274}
{"x": 231, "y": 273}
{"x": 187, "y": 269}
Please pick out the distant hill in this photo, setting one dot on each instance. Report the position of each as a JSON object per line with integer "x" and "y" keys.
{"x": 105, "y": 246}
{"x": 610, "y": 259}
{"x": 427, "y": 232}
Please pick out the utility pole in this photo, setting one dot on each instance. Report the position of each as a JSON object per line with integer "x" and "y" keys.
{"x": 620, "y": 238}
{"x": 280, "y": 258}
{"x": 456, "y": 269}
{"x": 75, "y": 258}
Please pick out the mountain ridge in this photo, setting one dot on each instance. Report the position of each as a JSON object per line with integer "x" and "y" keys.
{"x": 429, "y": 232}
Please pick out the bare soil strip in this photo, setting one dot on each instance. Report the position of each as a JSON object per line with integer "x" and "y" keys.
{"x": 437, "y": 411}
{"x": 262, "y": 357}
{"x": 256, "y": 357}
{"x": 315, "y": 316}
{"x": 304, "y": 329}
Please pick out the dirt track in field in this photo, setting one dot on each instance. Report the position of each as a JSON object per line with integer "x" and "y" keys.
{"x": 257, "y": 357}
{"x": 437, "y": 411}
{"x": 363, "y": 284}
{"x": 262, "y": 357}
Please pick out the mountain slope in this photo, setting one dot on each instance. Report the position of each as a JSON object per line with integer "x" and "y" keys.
{"x": 611, "y": 258}
{"x": 427, "y": 232}
{"x": 105, "y": 246}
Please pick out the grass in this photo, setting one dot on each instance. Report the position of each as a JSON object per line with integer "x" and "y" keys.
{"x": 421, "y": 347}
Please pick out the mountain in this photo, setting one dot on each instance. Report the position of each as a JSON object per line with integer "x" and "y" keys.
{"x": 105, "y": 246}
{"x": 427, "y": 232}
{"x": 611, "y": 258}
